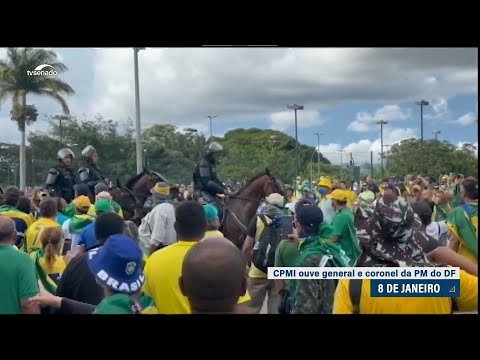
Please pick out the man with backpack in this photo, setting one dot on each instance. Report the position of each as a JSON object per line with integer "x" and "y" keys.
{"x": 313, "y": 296}
{"x": 263, "y": 235}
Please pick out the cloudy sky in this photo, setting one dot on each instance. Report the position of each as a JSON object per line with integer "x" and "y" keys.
{"x": 344, "y": 92}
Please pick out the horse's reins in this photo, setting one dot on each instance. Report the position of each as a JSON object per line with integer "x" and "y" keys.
{"x": 244, "y": 228}
{"x": 243, "y": 198}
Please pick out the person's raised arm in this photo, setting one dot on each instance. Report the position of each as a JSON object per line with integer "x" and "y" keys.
{"x": 444, "y": 255}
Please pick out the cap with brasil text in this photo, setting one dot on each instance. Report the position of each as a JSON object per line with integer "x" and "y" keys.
{"x": 117, "y": 265}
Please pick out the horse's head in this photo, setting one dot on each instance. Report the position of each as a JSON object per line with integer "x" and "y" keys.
{"x": 273, "y": 185}
{"x": 127, "y": 200}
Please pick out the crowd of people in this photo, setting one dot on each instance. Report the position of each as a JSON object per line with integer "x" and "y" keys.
{"x": 74, "y": 253}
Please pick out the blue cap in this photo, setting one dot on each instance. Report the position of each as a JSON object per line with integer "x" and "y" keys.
{"x": 118, "y": 264}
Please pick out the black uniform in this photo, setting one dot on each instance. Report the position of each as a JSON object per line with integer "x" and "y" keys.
{"x": 91, "y": 176}
{"x": 60, "y": 182}
{"x": 206, "y": 181}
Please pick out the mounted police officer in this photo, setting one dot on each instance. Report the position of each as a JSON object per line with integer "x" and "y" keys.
{"x": 61, "y": 178}
{"x": 207, "y": 185}
{"x": 90, "y": 174}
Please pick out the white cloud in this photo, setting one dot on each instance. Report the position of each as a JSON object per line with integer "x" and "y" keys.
{"x": 365, "y": 121}
{"x": 10, "y": 133}
{"x": 467, "y": 119}
{"x": 178, "y": 86}
{"x": 438, "y": 109}
{"x": 361, "y": 149}
{"x": 461, "y": 143}
{"x": 286, "y": 119}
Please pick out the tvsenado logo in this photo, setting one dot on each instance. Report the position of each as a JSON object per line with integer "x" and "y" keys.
{"x": 39, "y": 71}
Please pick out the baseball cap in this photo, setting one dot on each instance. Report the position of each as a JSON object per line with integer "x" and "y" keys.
{"x": 102, "y": 206}
{"x": 325, "y": 182}
{"x": 117, "y": 265}
{"x": 211, "y": 212}
{"x": 100, "y": 187}
{"x": 309, "y": 215}
{"x": 340, "y": 195}
{"x": 82, "y": 202}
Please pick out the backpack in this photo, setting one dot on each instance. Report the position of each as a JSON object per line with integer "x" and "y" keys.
{"x": 472, "y": 217}
{"x": 268, "y": 235}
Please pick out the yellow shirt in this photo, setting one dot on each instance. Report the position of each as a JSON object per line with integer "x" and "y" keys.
{"x": 162, "y": 272}
{"x": 33, "y": 232}
{"x": 58, "y": 267}
{"x": 213, "y": 234}
{"x": 468, "y": 300}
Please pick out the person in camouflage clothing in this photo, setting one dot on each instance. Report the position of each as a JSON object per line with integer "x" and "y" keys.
{"x": 314, "y": 296}
{"x": 391, "y": 236}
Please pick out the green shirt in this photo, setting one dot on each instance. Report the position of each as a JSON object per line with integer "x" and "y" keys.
{"x": 121, "y": 304}
{"x": 286, "y": 254}
{"x": 441, "y": 212}
{"x": 18, "y": 279}
{"x": 69, "y": 210}
{"x": 344, "y": 229}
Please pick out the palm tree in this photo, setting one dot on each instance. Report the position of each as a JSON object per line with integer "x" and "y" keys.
{"x": 16, "y": 81}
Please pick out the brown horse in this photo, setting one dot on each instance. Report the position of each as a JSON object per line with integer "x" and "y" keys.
{"x": 127, "y": 201}
{"x": 133, "y": 195}
{"x": 241, "y": 207}
{"x": 142, "y": 183}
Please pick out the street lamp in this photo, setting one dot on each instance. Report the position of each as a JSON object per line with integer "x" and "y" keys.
{"x": 386, "y": 156}
{"x": 296, "y": 107}
{"x": 211, "y": 128}
{"x": 311, "y": 167}
{"x": 436, "y": 133}
{"x": 421, "y": 103}
{"x": 138, "y": 142}
{"x": 61, "y": 118}
{"x": 381, "y": 123}
{"x": 318, "y": 149}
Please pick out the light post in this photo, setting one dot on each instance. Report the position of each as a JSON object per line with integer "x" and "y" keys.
{"x": 381, "y": 123}
{"x": 318, "y": 150}
{"x": 436, "y": 133}
{"x": 61, "y": 118}
{"x": 138, "y": 140}
{"x": 386, "y": 156}
{"x": 421, "y": 103}
{"x": 211, "y": 125}
{"x": 296, "y": 107}
{"x": 311, "y": 167}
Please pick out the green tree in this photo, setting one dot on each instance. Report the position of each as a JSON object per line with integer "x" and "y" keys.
{"x": 437, "y": 158}
{"x": 16, "y": 81}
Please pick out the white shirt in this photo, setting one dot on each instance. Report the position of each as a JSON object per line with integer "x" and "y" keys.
{"x": 436, "y": 229}
{"x": 157, "y": 227}
{"x": 327, "y": 209}
{"x": 75, "y": 237}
